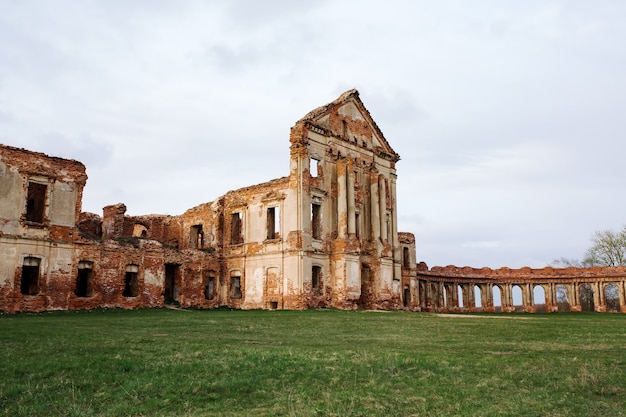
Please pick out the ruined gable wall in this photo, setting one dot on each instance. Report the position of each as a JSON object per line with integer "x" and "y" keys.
{"x": 355, "y": 187}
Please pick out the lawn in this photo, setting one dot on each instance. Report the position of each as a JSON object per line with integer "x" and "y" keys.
{"x": 307, "y": 363}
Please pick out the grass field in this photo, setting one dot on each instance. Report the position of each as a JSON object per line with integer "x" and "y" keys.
{"x": 307, "y": 363}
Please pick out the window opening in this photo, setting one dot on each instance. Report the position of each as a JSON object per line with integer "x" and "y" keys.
{"x": 273, "y": 223}
{"x": 196, "y": 237}
{"x": 235, "y": 286}
{"x": 84, "y": 279}
{"x": 562, "y": 298}
{"x": 406, "y": 260}
{"x": 357, "y": 224}
{"x": 209, "y": 286}
{"x": 314, "y": 167}
{"x": 316, "y": 278}
{"x": 236, "y": 236}
{"x": 586, "y": 298}
{"x": 30, "y": 276}
{"x": 35, "y": 202}
{"x": 316, "y": 221}
{"x": 131, "y": 281}
{"x": 611, "y": 296}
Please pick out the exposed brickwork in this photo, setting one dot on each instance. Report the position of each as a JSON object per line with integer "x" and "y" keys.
{"x": 323, "y": 236}
{"x": 599, "y": 282}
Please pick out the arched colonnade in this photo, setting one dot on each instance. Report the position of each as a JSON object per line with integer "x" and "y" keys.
{"x": 454, "y": 289}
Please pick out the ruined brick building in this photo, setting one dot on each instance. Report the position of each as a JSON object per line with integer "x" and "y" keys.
{"x": 326, "y": 235}
{"x": 323, "y": 236}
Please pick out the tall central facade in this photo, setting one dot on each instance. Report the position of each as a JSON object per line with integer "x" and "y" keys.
{"x": 326, "y": 235}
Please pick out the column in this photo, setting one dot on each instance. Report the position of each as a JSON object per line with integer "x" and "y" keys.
{"x": 488, "y": 298}
{"x": 383, "y": 208}
{"x": 350, "y": 193}
{"x": 471, "y": 297}
{"x": 375, "y": 215}
{"x": 394, "y": 213}
{"x": 342, "y": 215}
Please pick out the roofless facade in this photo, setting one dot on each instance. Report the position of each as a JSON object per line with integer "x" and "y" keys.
{"x": 325, "y": 235}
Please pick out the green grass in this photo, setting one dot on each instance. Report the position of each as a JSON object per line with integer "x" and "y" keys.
{"x": 307, "y": 363}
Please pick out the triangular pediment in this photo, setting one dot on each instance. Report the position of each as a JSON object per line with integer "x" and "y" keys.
{"x": 348, "y": 119}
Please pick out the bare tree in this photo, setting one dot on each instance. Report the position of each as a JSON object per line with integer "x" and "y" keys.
{"x": 608, "y": 249}
{"x": 564, "y": 262}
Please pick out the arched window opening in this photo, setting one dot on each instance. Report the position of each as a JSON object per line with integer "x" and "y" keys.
{"x": 497, "y": 298}
{"x": 539, "y": 299}
{"x": 586, "y": 298}
{"x": 562, "y": 298}
{"x": 611, "y": 297}
{"x": 478, "y": 297}
{"x": 518, "y": 298}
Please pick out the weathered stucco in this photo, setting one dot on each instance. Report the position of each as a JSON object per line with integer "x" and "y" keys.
{"x": 324, "y": 236}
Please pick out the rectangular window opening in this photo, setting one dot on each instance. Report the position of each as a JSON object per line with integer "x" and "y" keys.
{"x": 84, "y": 279}
{"x": 357, "y": 225}
{"x": 273, "y": 223}
{"x": 236, "y": 236}
{"x": 235, "y": 286}
{"x": 314, "y": 167}
{"x": 30, "y": 276}
{"x": 316, "y": 221}
{"x": 316, "y": 279}
{"x": 36, "y": 202}
{"x": 196, "y": 237}
{"x": 209, "y": 286}
{"x": 406, "y": 260}
{"x": 131, "y": 281}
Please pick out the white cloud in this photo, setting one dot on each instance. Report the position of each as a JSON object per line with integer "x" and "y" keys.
{"x": 507, "y": 116}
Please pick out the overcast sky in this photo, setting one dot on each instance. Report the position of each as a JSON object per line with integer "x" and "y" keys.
{"x": 509, "y": 116}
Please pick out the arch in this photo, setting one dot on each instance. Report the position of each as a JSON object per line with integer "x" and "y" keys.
{"x": 586, "y": 297}
{"x": 517, "y": 296}
{"x": 478, "y": 300}
{"x": 611, "y": 297}
{"x": 539, "y": 299}
{"x": 562, "y": 298}
{"x": 460, "y": 296}
{"x": 496, "y": 292}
